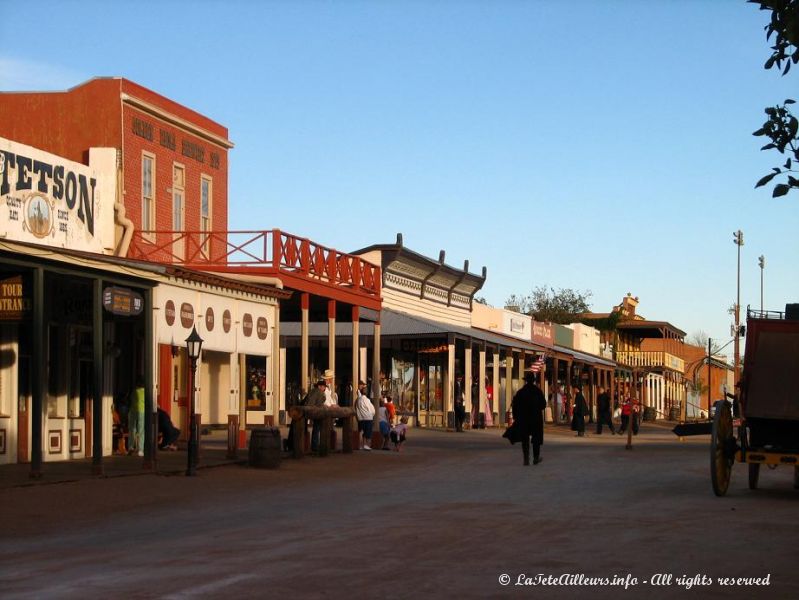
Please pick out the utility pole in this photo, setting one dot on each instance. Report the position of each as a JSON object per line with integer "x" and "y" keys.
{"x": 738, "y": 240}
{"x": 761, "y": 261}
{"x": 709, "y": 356}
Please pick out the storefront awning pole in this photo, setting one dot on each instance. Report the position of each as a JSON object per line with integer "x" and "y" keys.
{"x": 99, "y": 376}
{"x": 39, "y": 373}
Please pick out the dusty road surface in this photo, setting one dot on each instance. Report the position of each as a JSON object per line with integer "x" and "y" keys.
{"x": 454, "y": 515}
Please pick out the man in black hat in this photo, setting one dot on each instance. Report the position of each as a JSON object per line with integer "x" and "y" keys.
{"x": 528, "y": 415}
{"x": 316, "y": 397}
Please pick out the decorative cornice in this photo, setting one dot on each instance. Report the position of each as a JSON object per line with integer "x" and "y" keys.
{"x": 176, "y": 120}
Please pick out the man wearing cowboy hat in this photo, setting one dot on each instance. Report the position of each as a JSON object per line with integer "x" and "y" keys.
{"x": 331, "y": 397}
{"x": 316, "y": 397}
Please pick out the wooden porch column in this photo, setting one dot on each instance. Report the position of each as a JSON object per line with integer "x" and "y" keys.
{"x": 278, "y": 392}
{"x": 305, "y": 303}
{"x": 151, "y": 415}
{"x": 449, "y": 388}
{"x": 99, "y": 363}
{"x": 356, "y": 351}
{"x": 495, "y": 383}
{"x": 505, "y": 409}
{"x": 331, "y": 340}
{"x": 38, "y": 373}
{"x": 376, "y": 369}
{"x": 481, "y": 380}
{"x": 522, "y": 361}
{"x": 467, "y": 381}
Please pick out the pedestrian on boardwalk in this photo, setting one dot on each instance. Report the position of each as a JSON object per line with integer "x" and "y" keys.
{"x": 136, "y": 419}
{"x": 459, "y": 408}
{"x": 579, "y": 411}
{"x": 604, "y": 416}
{"x": 629, "y": 415}
{"x": 489, "y": 411}
{"x": 365, "y": 413}
{"x": 528, "y": 416}
{"x": 316, "y": 397}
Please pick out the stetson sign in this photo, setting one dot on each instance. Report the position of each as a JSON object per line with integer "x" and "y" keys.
{"x": 46, "y": 199}
{"x": 15, "y": 300}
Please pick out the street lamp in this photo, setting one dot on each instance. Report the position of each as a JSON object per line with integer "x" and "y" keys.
{"x": 194, "y": 344}
{"x": 761, "y": 262}
{"x": 738, "y": 240}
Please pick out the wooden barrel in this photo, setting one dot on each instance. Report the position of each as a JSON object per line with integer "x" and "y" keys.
{"x": 264, "y": 450}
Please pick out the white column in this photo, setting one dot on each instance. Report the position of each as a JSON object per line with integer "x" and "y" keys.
{"x": 481, "y": 377}
{"x": 355, "y": 352}
{"x": 467, "y": 380}
{"x": 305, "y": 305}
{"x": 331, "y": 340}
{"x": 278, "y": 395}
{"x": 449, "y": 379}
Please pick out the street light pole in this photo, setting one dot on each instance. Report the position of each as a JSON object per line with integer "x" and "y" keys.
{"x": 761, "y": 261}
{"x": 738, "y": 240}
{"x": 194, "y": 344}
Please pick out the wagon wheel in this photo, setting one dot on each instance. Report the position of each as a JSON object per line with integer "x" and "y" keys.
{"x": 722, "y": 445}
{"x": 754, "y": 475}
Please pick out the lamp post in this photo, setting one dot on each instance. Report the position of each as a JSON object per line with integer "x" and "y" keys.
{"x": 738, "y": 240}
{"x": 194, "y": 344}
{"x": 761, "y": 262}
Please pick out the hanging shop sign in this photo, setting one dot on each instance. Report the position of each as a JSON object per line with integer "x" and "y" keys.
{"x": 46, "y": 199}
{"x": 15, "y": 300}
{"x": 423, "y": 346}
{"x": 542, "y": 333}
{"x": 122, "y": 301}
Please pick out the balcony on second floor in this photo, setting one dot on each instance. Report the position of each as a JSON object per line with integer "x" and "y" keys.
{"x": 654, "y": 358}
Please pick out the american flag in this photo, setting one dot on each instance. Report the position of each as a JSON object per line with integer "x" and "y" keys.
{"x": 537, "y": 365}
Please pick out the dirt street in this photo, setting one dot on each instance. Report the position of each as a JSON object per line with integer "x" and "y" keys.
{"x": 450, "y": 516}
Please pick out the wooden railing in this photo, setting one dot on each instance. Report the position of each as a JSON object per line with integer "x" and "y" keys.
{"x": 650, "y": 358}
{"x": 272, "y": 249}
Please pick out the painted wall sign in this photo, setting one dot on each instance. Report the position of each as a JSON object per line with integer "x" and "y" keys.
{"x": 246, "y": 324}
{"x": 262, "y": 328}
{"x": 542, "y": 333}
{"x": 226, "y": 321}
{"x": 186, "y": 315}
{"x": 46, "y": 199}
{"x": 169, "y": 312}
{"x": 166, "y": 138}
{"x": 15, "y": 301}
{"x": 122, "y": 301}
{"x": 209, "y": 319}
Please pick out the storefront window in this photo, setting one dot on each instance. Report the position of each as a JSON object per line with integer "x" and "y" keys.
{"x": 403, "y": 375}
{"x": 431, "y": 382}
{"x": 256, "y": 382}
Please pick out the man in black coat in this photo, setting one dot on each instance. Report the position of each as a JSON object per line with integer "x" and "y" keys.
{"x": 528, "y": 415}
{"x": 604, "y": 416}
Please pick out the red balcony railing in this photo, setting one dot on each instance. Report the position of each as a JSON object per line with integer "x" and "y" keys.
{"x": 272, "y": 250}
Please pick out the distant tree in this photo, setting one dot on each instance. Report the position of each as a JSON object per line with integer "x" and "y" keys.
{"x": 519, "y": 304}
{"x": 480, "y": 300}
{"x": 781, "y": 127}
{"x": 548, "y": 304}
{"x": 699, "y": 338}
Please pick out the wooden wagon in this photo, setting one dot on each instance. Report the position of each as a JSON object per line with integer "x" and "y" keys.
{"x": 766, "y": 404}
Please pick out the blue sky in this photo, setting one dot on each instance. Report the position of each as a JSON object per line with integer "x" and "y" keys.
{"x": 603, "y": 146}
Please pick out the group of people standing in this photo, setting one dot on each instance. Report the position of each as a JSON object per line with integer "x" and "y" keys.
{"x": 390, "y": 430}
{"x": 480, "y": 418}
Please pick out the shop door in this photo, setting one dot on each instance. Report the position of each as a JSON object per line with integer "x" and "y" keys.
{"x": 431, "y": 391}
{"x": 165, "y": 378}
{"x": 23, "y": 409}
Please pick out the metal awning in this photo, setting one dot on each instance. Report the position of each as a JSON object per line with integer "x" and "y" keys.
{"x": 586, "y": 358}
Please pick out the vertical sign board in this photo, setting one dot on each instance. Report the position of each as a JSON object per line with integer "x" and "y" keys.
{"x": 15, "y": 299}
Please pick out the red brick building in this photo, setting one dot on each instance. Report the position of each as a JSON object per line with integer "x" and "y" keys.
{"x": 173, "y": 161}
